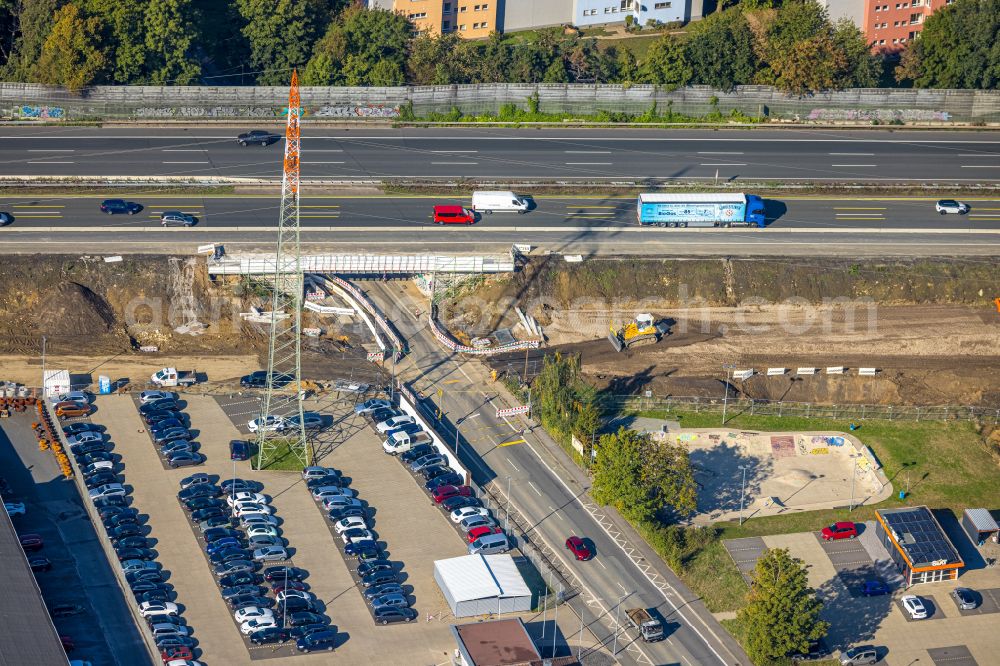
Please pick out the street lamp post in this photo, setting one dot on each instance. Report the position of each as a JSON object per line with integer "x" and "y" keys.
{"x": 456, "y": 436}
{"x": 854, "y": 474}
{"x": 725, "y": 388}
{"x": 618, "y": 612}
{"x": 743, "y": 491}
{"x": 506, "y": 513}
{"x": 555, "y": 622}
{"x": 579, "y": 649}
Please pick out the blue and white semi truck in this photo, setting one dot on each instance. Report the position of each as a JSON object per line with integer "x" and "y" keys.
{"x": 700, "y": 210}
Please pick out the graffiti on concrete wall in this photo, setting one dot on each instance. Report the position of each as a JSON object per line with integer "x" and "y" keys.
{"x": 326, "y": 111}
{"x": 881, "y": 115}
{"x": 41, "y": 112}
{"x": 364, "y": 111}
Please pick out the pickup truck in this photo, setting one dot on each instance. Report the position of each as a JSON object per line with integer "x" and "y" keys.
{"x": 650, "y": 628}
{"x": 171, "y": 377}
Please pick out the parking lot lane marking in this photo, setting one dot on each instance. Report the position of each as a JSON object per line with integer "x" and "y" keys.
{"x": 621, "y": 586}
{"x": 533, "y": 487}
{"x": 602, "y": 564}
{"x": 512, "y": 465}
{"x": 512, "y": 442}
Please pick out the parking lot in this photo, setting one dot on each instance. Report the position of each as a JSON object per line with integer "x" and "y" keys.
{"x": 403, "y": 517}
{"x": 80, "y": 574}
{"x": 948, "y": 636}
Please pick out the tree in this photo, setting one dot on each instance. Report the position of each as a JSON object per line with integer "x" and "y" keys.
{"x": 123, "y": 39}
{"x": 720, "y": 50}
{"x": 782, "y": 611}
{"x": 362, "y": 47}
{"x": 809, "y": 64}
{"x": 34, "y": 23}
{"x": 170, "y": 33}
{"x": 862, "y": 68}
{"x": 640, "y": 477}
{"x": 666, "y": 64}
{"x": 628, "y": 67}
{"x": 556, "y": 72}
{"x": 281, "y": 34}
{"x": 431, "y": 59}
{"x": 958, "y": 48}
{"x": 71, "y": 54}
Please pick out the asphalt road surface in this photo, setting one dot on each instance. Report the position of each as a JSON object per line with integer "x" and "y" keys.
{"x": 510, "y": 154}
{"x": 548, "y": 212}
{"x": 554, "y": 507}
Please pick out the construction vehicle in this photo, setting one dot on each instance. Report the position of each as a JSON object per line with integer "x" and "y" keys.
{"x": 648, "y": 626}
{"x": 641, "y": 331}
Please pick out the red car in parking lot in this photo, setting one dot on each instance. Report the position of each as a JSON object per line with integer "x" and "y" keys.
{"x": 179, "y": 652}
{"x": 839, "y": 531}
{"x": 578, "y": 547}
{"x": 444, "y": 492}
{"x": 31, "y": 542}
{"x": 477, "y": 532}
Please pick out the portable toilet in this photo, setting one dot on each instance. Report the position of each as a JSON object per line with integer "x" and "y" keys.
{"x": 104, "y": 384}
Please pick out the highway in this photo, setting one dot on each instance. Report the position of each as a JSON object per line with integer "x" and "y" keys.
{"x": 553, "y": 503}
{"x": 600, "y": 155}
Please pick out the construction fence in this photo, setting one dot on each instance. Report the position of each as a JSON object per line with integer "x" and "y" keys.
{"x": 24, "y": 101}
{"x": 752, "y": 407}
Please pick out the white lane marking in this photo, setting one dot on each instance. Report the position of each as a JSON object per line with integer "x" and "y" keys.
{"x": 47, "y": 162}
{"x": 454, "y": 151}
{"x": 856, "y": 154}
{"x": 725, "y": 164}
{"x": 588, "y": 163}
{"x": 556, "y": 513}
{"x": 182, "y": 150}
{"x": 621, "y": 586}
{"x": 853, "y": 165}
{"x": 324, "y": 150}
{"x": 537, "y": 492}
{"x": 980, "y": 166}
{"x": 311, "y": 162}
{"x": 51, "y": 150}
{"x": 670, "y": 139}
{"x": 720, "y": 152}
{"x": 185, "y": 162}
{"x": 602, "y": 564}
{"x": 511, "y": 463}
{"x": 858, "y": 214}
{"x": 457, "y": 163}
{"x": 588, "y": 152}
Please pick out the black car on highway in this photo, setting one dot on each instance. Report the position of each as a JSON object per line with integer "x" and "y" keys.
{"x": 257, "y": 138}
{"x": 114, "y": 206}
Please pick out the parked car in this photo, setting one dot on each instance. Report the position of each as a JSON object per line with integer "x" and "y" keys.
{"x": 380, "y": 590}
{"x": 170, "y": 434}
{"x": 197, "y": 479}
{"x": 444, "y": 492}
{"x": 350, "y": 523}
{"x": 284, "y": 573}
{"x": 364, "y": 546}
{"x": 203, "y": 503}
{"x": 841, "y": 530}
{"x": 874, "y": 588}
{"x": 258, "y": 519}
{"x": 265, "y": 541}
{"x": 244, "y": 578}
{"x": 325, "y": 492}
{"x": 341, "y": 501}
{"x": 964, "y": 598}
{"x": 150, "y": 609}
{"x": 331, "y": 481}
{"x": 296, "y": 605}
{"x": 270, "y": 554}
{"x": 184, "y": 459}
{"x": 115, "y": 206}
{"x": 460, "y": 502}
{"x": 914, "y": 605}
{"x": 151, "y": 396}
{"x": 239, "y": 449}
{"x": 859, "y": 656}
{"x": 218, "y": 533}
{"x": 476, "y": 521}
{"x": 346, "y": 511}
{"x": 227, "y": 555}
{"x": 132, "y": 566}
{"x": 245, "y": 614}
{"x": 310, "y": 421}
{"x": 458, "y": 515}
{"x": 123, "y": 554}
{"x": 86, "y": 437}
{"x": 481, "y": 531}
{"x": 319, "y": 472}
{"x": 152, "y": 576}
{"x": 383, "y": 413}
{"x": 579, "y": 548}
{"x": 305, "y": 617}
{"x": 442, "y": 476}
{"x": 161, "y": 405}
{"x": 134, "y": 542}
{"x": 355, "y": 534}
{"x": 282, "y": 586}
{"x": 77, "y": 428}
{"x": 427, "y": 461}
{"x": 160, "y": 427}
{"x": 243, "y": 591}
{"x": 65, "y": 610}
{"x": 268, "y": 635}
{"x": 251, "y": 626}
{"x": 39, "y": 563}
{"x": 15, "y": 508}
{"x": 390, "y": 601}
{"x": 262, "y": 530}
{"x": 199, "y": 490}
{"x": 386, "y": 615}
{"x": 305, "y": 629}
{"x": 380, "y": 578}
{"x": 320, "y": 640}
{"x": 417, "y": 452}
{"x": 369, "y": 406}
{"x": 211, "y": 512}
{"x": 176, "y": 218}
{"x": 269, "y": 423}
{"x": 234, "y": 567}
{"x": 182, "y": 652}
{"x": 245, "y": 496}
{"x": 393, "y": 423}
{"x": 152, "y": 418}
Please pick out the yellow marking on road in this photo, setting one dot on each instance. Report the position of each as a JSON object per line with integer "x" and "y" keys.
{"x": 512, "y": 442}
{"x": 451, "y": 381}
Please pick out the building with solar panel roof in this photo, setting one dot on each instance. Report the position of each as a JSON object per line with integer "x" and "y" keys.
{"x": 919, "y": 547}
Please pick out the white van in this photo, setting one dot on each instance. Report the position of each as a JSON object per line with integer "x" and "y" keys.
{"x": 401, "y": 442}
{"x": 487, "y": 202}
{"x": 490, "y": 544}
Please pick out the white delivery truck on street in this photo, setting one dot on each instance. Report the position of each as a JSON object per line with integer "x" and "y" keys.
{"x": 505, "y": 202}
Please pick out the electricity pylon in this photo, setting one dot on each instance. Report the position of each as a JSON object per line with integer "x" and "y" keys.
{"x": 283, "y": 394}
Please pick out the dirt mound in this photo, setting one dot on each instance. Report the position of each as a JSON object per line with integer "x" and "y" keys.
{"x": 73, "y": 308}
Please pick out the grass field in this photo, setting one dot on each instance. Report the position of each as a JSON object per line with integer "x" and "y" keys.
{"x": 283, "y": 459}
{"x": 945, "y": 464}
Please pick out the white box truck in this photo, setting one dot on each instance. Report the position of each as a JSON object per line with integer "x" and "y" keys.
{"x": 487, "y": 202}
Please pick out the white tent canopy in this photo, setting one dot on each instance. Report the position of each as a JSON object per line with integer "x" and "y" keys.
{"x": 478, "y": 584}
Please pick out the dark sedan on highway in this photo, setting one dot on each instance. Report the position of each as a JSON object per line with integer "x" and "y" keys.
{"x": 115, "y": 206}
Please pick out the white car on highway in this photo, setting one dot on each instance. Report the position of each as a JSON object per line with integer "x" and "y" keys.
{"x": 256, "y": 498}
{"x": 271, "y": 424}
{"x": 914, "y": 605}
{"x": 394, "y": 422}
{"x": 247, "y": 614}
{"x": 946, "y": 206}
{"x": 458, "y": 515}
{"x": 350, "y": 523}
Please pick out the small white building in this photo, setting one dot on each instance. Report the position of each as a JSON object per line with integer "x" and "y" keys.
{"x": 56, "y": 382}
{"x": 481, "y": 584}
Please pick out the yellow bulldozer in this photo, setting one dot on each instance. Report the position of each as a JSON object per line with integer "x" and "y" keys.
{"x": 636, "y": 333}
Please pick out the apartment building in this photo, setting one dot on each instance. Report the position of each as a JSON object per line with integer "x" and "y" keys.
{"x": 478, "y": 18}
{"x": 890, "y": 25}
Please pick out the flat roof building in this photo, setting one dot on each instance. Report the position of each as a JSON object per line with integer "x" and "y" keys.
{"x": 917, "y": 545}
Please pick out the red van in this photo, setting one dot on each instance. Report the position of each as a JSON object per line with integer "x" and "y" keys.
{"x": 453, "y": 215}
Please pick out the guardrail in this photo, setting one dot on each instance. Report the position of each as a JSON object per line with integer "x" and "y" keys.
{"x": 365, "y": 303}
{"x": 446, "y": 340}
